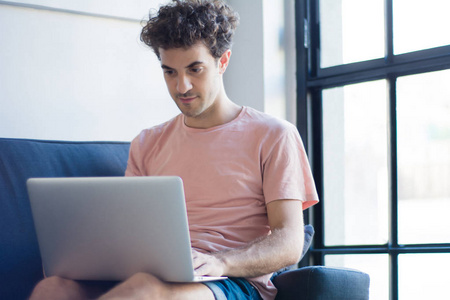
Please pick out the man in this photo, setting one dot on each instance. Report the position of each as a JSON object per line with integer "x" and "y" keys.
{"x": 246, "y": 175}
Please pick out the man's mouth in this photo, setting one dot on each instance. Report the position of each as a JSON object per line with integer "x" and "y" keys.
{"x": 187, "y": 99}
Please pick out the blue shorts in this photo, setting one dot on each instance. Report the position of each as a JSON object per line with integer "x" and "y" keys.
{"x": 233, "y": 289}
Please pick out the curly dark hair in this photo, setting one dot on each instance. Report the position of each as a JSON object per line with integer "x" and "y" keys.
{"x": 182, "y": 24}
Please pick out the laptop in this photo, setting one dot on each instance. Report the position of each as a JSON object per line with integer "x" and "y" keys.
{"x": 109, "y": 228}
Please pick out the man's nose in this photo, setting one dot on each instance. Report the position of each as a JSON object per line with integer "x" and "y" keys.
{"x": 184, "y": 85}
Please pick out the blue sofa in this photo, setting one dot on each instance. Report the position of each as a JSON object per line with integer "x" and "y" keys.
{"x": 20, "y": 263}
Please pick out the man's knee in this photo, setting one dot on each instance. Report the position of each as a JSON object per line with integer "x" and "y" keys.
{"x": 52, "y": 286}
{"x": 52, "y": 282}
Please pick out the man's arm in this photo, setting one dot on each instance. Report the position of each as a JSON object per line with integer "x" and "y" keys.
{"x": 265, "y": 255}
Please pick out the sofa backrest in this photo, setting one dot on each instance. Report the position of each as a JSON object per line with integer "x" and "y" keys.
{"x": 20, "y": 159}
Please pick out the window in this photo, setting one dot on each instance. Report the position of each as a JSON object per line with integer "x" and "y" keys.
{"x": 374, "y": 111}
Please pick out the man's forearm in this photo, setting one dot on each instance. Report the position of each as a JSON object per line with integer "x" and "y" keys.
{"x": 279, "y": 249}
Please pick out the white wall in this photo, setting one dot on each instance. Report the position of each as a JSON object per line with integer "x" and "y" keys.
{"x": 76, "y": 70}
{"x": 76, "y": 77}
{"x": 244, "y": 79}
{"x": 134, "y": 10}
{"x": 262, "y": 71}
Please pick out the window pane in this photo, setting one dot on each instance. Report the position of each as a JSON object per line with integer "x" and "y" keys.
{"x": 420, "y": 24}
{"x": 423, "y": 276}
{"x": 351, "y": 31}
{"x": 423, "y": 120}
{"x": 355, "y": 164}
{"x": 279, "y": 58}
{"x": 376, "y": 265}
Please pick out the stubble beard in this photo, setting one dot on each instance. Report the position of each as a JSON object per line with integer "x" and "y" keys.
{"x": 190, "y": 110}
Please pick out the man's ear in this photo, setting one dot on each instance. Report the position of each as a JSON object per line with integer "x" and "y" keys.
{"x": 223, "y": 61}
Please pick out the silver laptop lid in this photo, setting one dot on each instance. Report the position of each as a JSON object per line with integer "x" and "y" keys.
{"x": 109, "y": 228}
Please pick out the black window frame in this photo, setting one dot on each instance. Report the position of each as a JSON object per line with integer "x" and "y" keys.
{"x": 311, "y": 80}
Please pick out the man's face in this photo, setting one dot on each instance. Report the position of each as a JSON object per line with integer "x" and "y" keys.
{"x": 194, "y": 80}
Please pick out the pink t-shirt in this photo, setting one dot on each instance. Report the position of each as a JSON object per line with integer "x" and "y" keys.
{"x": 230, "y": 172}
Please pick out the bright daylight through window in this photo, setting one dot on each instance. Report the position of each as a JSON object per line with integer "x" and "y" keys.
{"x": 378, "y": 101}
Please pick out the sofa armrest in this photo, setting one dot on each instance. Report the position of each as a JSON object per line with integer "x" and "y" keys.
{"x": 322, "y": 283}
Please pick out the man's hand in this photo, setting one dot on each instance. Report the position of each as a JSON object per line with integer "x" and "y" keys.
{"x": 207, "y": 264}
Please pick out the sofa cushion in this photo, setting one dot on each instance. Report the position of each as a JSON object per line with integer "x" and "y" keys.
{"x": 322, "y": 283}
{"x": 20, "y": 159}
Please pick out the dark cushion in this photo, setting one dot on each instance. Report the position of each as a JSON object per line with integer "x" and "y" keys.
{"x": 309, "y": 234}
{"x": 322, "y": 283}
{"x": 20, "y": 263}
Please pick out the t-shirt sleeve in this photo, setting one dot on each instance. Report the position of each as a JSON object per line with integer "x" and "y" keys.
{"x": 286, "y": 170}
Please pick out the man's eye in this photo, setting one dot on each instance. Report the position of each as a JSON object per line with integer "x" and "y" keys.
{"x": 196, "y": 70}
{"x": 169, "y": 72}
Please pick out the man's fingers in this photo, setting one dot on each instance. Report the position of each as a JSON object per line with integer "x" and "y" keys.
{"x": 198, "y": 260}
{"x": 199, "y": 270}
{"x": 202, "y": 264}
{"x": 206, "y": 265}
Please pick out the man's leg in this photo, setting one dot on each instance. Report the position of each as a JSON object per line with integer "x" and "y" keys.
{"x": 146, "y": 286}
{"x": 139, "y": 286}
{"x": 60, "y": 288}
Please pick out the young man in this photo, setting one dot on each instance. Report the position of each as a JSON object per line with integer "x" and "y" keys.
{"x": 246, "y": 174}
